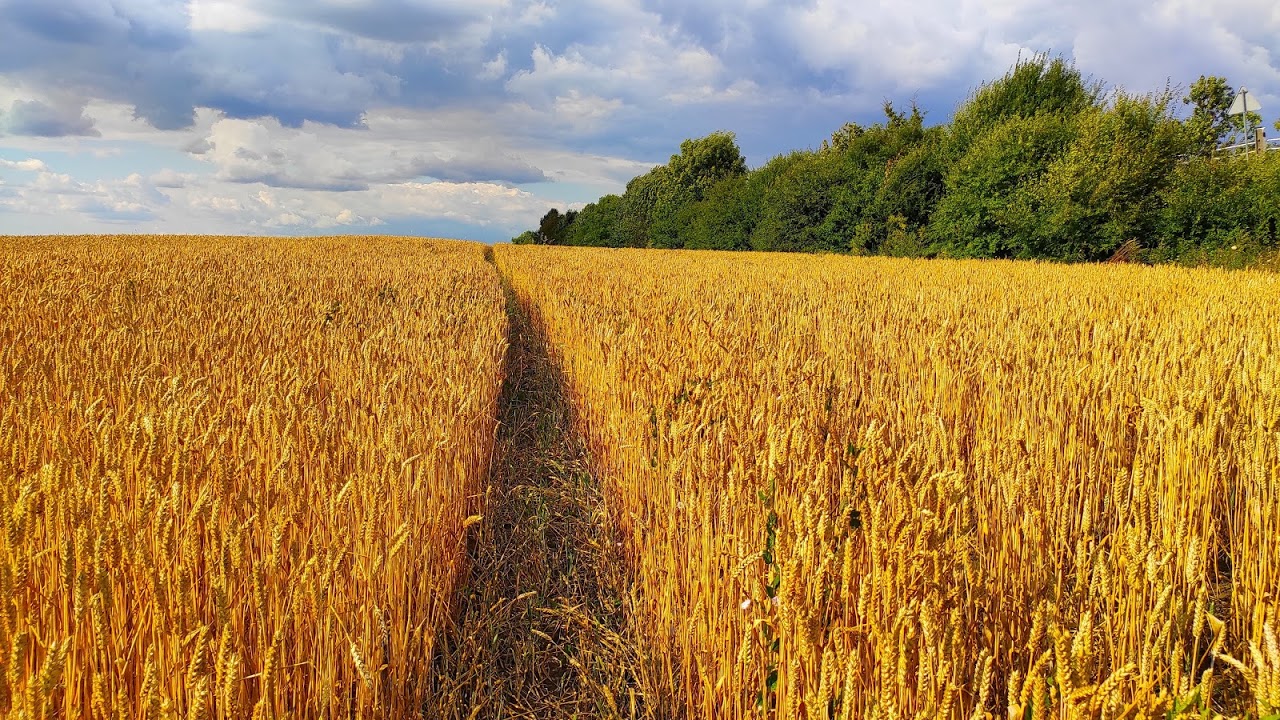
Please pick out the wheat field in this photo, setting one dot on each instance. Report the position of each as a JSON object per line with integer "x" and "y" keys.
{"x": 875, "y": 488}
{"x": 237, "y": 472}
{"x": 243, "y": 477}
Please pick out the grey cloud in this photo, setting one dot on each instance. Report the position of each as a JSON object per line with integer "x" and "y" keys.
{"x": 39, "y": 119}
{"x": 130, "y": 51}
{"x": 159, "y": 24}
{"x": 504, "y": 170}
{"x": 285, "y": 179}
{"x": 117, "y": 214}
{"x": 492, "y": 168}
{"x": 394, "y": 149}
{"x": 199, "y": 146}
{"x": 398, "y": 21}
{"x": 70, "y": 21}
{"x": 100, "y": 49}
{"x": 303, "y": 62}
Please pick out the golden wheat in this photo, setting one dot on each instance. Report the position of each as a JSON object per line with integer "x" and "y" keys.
{"x": 236, "y": 471}
{"x": 873, "y": 488}
{"x": 239, "y": 474}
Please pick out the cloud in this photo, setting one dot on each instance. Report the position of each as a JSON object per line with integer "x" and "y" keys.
{"x": 40, "y": 119}
{"x": 483, "y": 167}
{"x": 585, "y": 112}
{"x": 495, "y": 68}
{"x": 647, "y": 66}
{"x": 130, "y": 200}
{"x": 386, "y": 151}
{"x": 72, "y": 22}
{"x": 1146, "y": 44}
{"x": 330, "y": 61}
{"x": 28, "y": 165}
{"x": 223, "y": 16}
{"x": 245, "y": 151}
{"x": 144, "y": 54}
{"x": 170, "y": 179}
{"x": 400, "y": 21}
{"x": 473, "y": 204}
{"x": 170, "y": 200}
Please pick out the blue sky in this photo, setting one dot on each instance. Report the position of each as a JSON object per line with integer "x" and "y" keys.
{"x": 469, "y": 118}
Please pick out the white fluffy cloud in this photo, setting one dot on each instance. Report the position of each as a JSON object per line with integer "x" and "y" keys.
{"x": 131, "y": 200}
{"x": 28, "y": 165}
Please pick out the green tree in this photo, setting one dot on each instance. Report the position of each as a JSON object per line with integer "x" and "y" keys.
{"x": 528, "y": 237}
{"x": 699, "y": 166}
{"x": 797, "y": 206}
{"x": 892, "y": 168}
{"x": 901, "y": 239}
{"x": 1204, "y": 201}
{"x": 1210, "y": 98}
{"x": 635, "y": 212}
{"x": 1265, "y": 170}
{"x": 976, "y": 217}
{"x": 723, "y": 219}
{"x": 1210, "y": 124}
{"x": 1040, "y": 85}
{"x": 842, "y": 139}
{"x": 1037, "y": 163}
{"x": 1105, "y": 188}
{"x": 554, "y": 226}
{"x": 706, "y": 161}
{"x": 1210, "y": 204}
{"x": 1001, "y": 141}
{"x": 731, "y": 210}
{"x": 914, "y": 182}
{"x": 596, "y": 225}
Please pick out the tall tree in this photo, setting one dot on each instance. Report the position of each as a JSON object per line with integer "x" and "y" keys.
{"x": 1105, "y": 189}
{"x": 1038, "y": 85}
{"x": 596, "y": 225}
{"x": 699, "y": 166}
{"x": 554, "y": 225}
{"x": 975, "y": 216}
{"x": 706, "y": 161}
{"x": 797, "y": 214}
{"x": 843, "y": 138}
{"x": 635, "y": 212}
{"x": 893, "y": 169}
{"x": 1003, "y": 139}
{"x": 1210, "y": 124}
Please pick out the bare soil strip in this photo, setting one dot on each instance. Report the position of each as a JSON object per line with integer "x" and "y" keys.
{"x": 541, "y": 627}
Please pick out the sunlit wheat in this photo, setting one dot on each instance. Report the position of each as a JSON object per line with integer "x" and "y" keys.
{"x": 871, "y": 488}
{"x": 236, "y": 471}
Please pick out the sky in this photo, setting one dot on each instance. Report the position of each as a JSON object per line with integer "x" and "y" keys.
{"x": 470, "y": 118}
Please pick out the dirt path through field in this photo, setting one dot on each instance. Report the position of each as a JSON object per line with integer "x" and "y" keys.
{"x": 540, "y": 635}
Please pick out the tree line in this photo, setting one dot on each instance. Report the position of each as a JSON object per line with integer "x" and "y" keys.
{"x": 1040, "y": 163}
